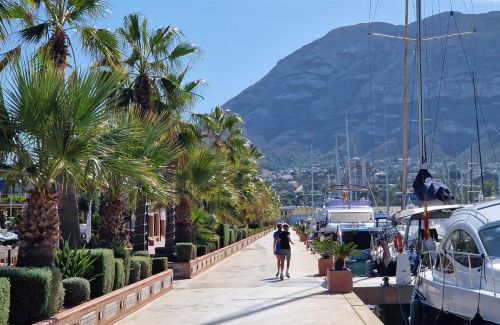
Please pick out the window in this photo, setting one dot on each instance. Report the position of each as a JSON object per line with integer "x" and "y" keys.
{"x": 490, "y": 238}
{"x": 461, "y": 242}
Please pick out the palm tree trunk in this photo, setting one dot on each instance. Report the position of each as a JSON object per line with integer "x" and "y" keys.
{"x": 170, "y": 233}
{"x": 140, "y": 239}
{"x": 142, "y": 90}
{"x": 183, "y": 222}
{"x": 68, "y": 213}
{"x": 39, "y": 230}
{"x": 112, "y": 226}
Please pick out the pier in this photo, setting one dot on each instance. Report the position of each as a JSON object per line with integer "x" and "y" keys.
{"x": 242, "y": 289}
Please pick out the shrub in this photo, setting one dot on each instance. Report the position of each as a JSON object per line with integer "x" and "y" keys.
{"x": 244, "y": 233}
{"x": 224, "y": 235}
{"x": 74, "y": 262}
{"x": 232, "y": 236}
{"x": 239, "y": 235}
{"x": 145, "y": 266}
{"x": 77, "y": 291}
{"x": 61, "y": 296}
{"x": 119, "y": 274}
{"x": 5, "y": 301}
{"x": 135, "y": 271}
{"x": 33, "y": 293}
{"x": 202, "y": 250}
{"x": 185, "y": 252}
{"x": 160, "y": 264}
{"x": 124, "y": 254}
{"x": 103, "y": 272}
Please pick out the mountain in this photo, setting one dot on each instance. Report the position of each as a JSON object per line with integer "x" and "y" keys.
{"x": 308, "y": 94}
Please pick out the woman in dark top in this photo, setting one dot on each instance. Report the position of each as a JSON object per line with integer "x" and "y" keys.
{"x": 285, "y": 250}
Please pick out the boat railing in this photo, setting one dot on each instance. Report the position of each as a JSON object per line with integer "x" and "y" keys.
{"x": 458, "y": 266}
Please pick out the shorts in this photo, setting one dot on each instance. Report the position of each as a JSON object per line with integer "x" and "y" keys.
{"x": 286, "y": 253}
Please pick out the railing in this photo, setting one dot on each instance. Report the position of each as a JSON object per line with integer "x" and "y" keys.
{"x": 467, "y": 270}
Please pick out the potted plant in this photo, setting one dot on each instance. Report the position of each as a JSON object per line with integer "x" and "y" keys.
{"x": 340, "y": 278}
{"x": 302, "y": 234}
{"x": 325, "y": 250}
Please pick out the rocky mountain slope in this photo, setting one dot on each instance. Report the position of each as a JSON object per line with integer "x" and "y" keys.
{"x": 308, "y": 94}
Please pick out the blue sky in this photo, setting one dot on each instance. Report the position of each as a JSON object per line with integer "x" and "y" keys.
{"x": 242, "y": 40}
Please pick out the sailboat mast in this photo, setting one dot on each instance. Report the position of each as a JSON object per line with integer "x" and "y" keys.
{"x": 348, "y": 158}
{"x": 312, "y": 179}
{"x": 405, "y": 112}
{"x": 421, "y": 136}
{"x": 337, "y": 163}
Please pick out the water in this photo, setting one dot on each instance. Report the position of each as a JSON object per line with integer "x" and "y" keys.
{"x": 357, "y": 267}
{"x": 392, "y": 314}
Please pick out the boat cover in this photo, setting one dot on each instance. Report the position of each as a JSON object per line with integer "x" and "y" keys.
{"x": 427, "y": 189}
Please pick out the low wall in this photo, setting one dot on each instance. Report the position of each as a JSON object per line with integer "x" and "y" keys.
{"x": 192, "y": 268}
{"x": 110, "y": 308}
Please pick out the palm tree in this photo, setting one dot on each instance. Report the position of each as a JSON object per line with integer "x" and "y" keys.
{"x": 221, "y": 127}
{"x": 150, "y": 56}
{"x": 202, "y": 178}
{"x": 59, "y": 127}
{"x": 52, "y": 24}
{"x": 153, "y": 146}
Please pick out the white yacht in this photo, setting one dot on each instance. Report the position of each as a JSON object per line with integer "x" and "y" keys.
{"x": 462, "y": 276}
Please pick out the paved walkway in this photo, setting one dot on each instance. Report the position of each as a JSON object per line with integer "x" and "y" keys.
{"x": 243, "y": 290}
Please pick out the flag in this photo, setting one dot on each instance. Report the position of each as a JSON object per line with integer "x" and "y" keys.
{"x": 427, "y": 232}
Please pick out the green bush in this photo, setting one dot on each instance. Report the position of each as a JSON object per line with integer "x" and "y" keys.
{"x": 145, "y": 266}
{"x": 224, "y": 235}
{"x": 34, "y": 293}
{"x": 160, "y": 264}
{"x": 77, "y": 291}
{"x": 202, "y": 250}
{"x": 185, "y": 252}
{"x": 119, "y": 274}
{"x": 239, "y": 235}
{"x": 61, "y": 296}
{"x": 5, "y": 301}
{"x": 74, "y": 262}
{"x": 135, "y": 271}
{"x": 124, "y": 254}
{"x": 232, "y": 236}
{"x": 103, "y": 272}
{"x": 244, "y": 233}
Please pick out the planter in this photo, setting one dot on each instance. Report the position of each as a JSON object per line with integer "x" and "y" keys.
{"x": 339, "y": 281}
{"x": 324, "y": 264}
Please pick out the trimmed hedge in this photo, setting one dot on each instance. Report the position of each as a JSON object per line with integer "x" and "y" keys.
{"x": 145, "y": 266}
{"x": 232, "y": 236}
{"x": 5, "y": 301}
{"x": 34, "y": 293}
{"x": 202, "y": 250}
{"x": 239, "y": 235}
{"x": 77, "y": 291}
{"x": 135, "y": 271}
{"x": 244, "y": 233}
{"x": 160, "y": 264}
{"x": 103, "y": 271}
{"x": 124, "y": 254}
{"x": 224, "y": 235}
{"x": 140, "y": 253}
{"x": 185, "y": 252}
{"x": 119, "y": 274}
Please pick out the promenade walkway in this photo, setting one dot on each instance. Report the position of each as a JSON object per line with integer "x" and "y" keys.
{"x": 243, "y": 290}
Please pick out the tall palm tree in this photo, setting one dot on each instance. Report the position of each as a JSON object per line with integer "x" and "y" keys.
{"x": 150, "y": 55}
{"x": 53, "y": 24}
{"x": 59, "y": 126}
{"x": 221, "y": 126}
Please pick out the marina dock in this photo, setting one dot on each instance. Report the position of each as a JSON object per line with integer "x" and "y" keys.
{"x": 243, "y": 290}
{"x": 372, "y": 292}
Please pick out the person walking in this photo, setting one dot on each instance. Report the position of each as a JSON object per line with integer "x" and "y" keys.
{"x": 276, "y": 247}
{"x": 285, "y": 251}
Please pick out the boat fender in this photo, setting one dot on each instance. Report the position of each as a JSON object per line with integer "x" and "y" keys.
{"x": 398, "y": 242}
{"x": 415, "y": 311}
{"x": 368, "y": 268}
{"x": 477, "y": 320}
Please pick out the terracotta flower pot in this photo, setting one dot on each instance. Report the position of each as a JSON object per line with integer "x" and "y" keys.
{"x": 339, "y": 281}
{"x": 323, "y": 265}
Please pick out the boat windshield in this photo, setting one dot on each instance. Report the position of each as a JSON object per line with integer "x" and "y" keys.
{"x": 490, "y": 238}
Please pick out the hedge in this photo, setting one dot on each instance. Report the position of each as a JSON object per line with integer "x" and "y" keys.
{"x": 140, "y": 253}
{"x": 224, "y": 235}
{"x": 145, "y": 266}
{"x": 202, "y": 250}
{"x": 124, "y": 254}
{"x": 77, "y": 291}
{"x": 160, "y": 264}
{"x": 239, "y": 235}
{"x": 119, "y": 274}
{"x": 135, "y": 271}
{"x": 244, "y": 233}
{"x": 34, "y": 293}
{"x": 232, "y": 236}
{"x": 5, "y": 301}
{"x": 185, "y": 252}
{"x": 103, "y": 272}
